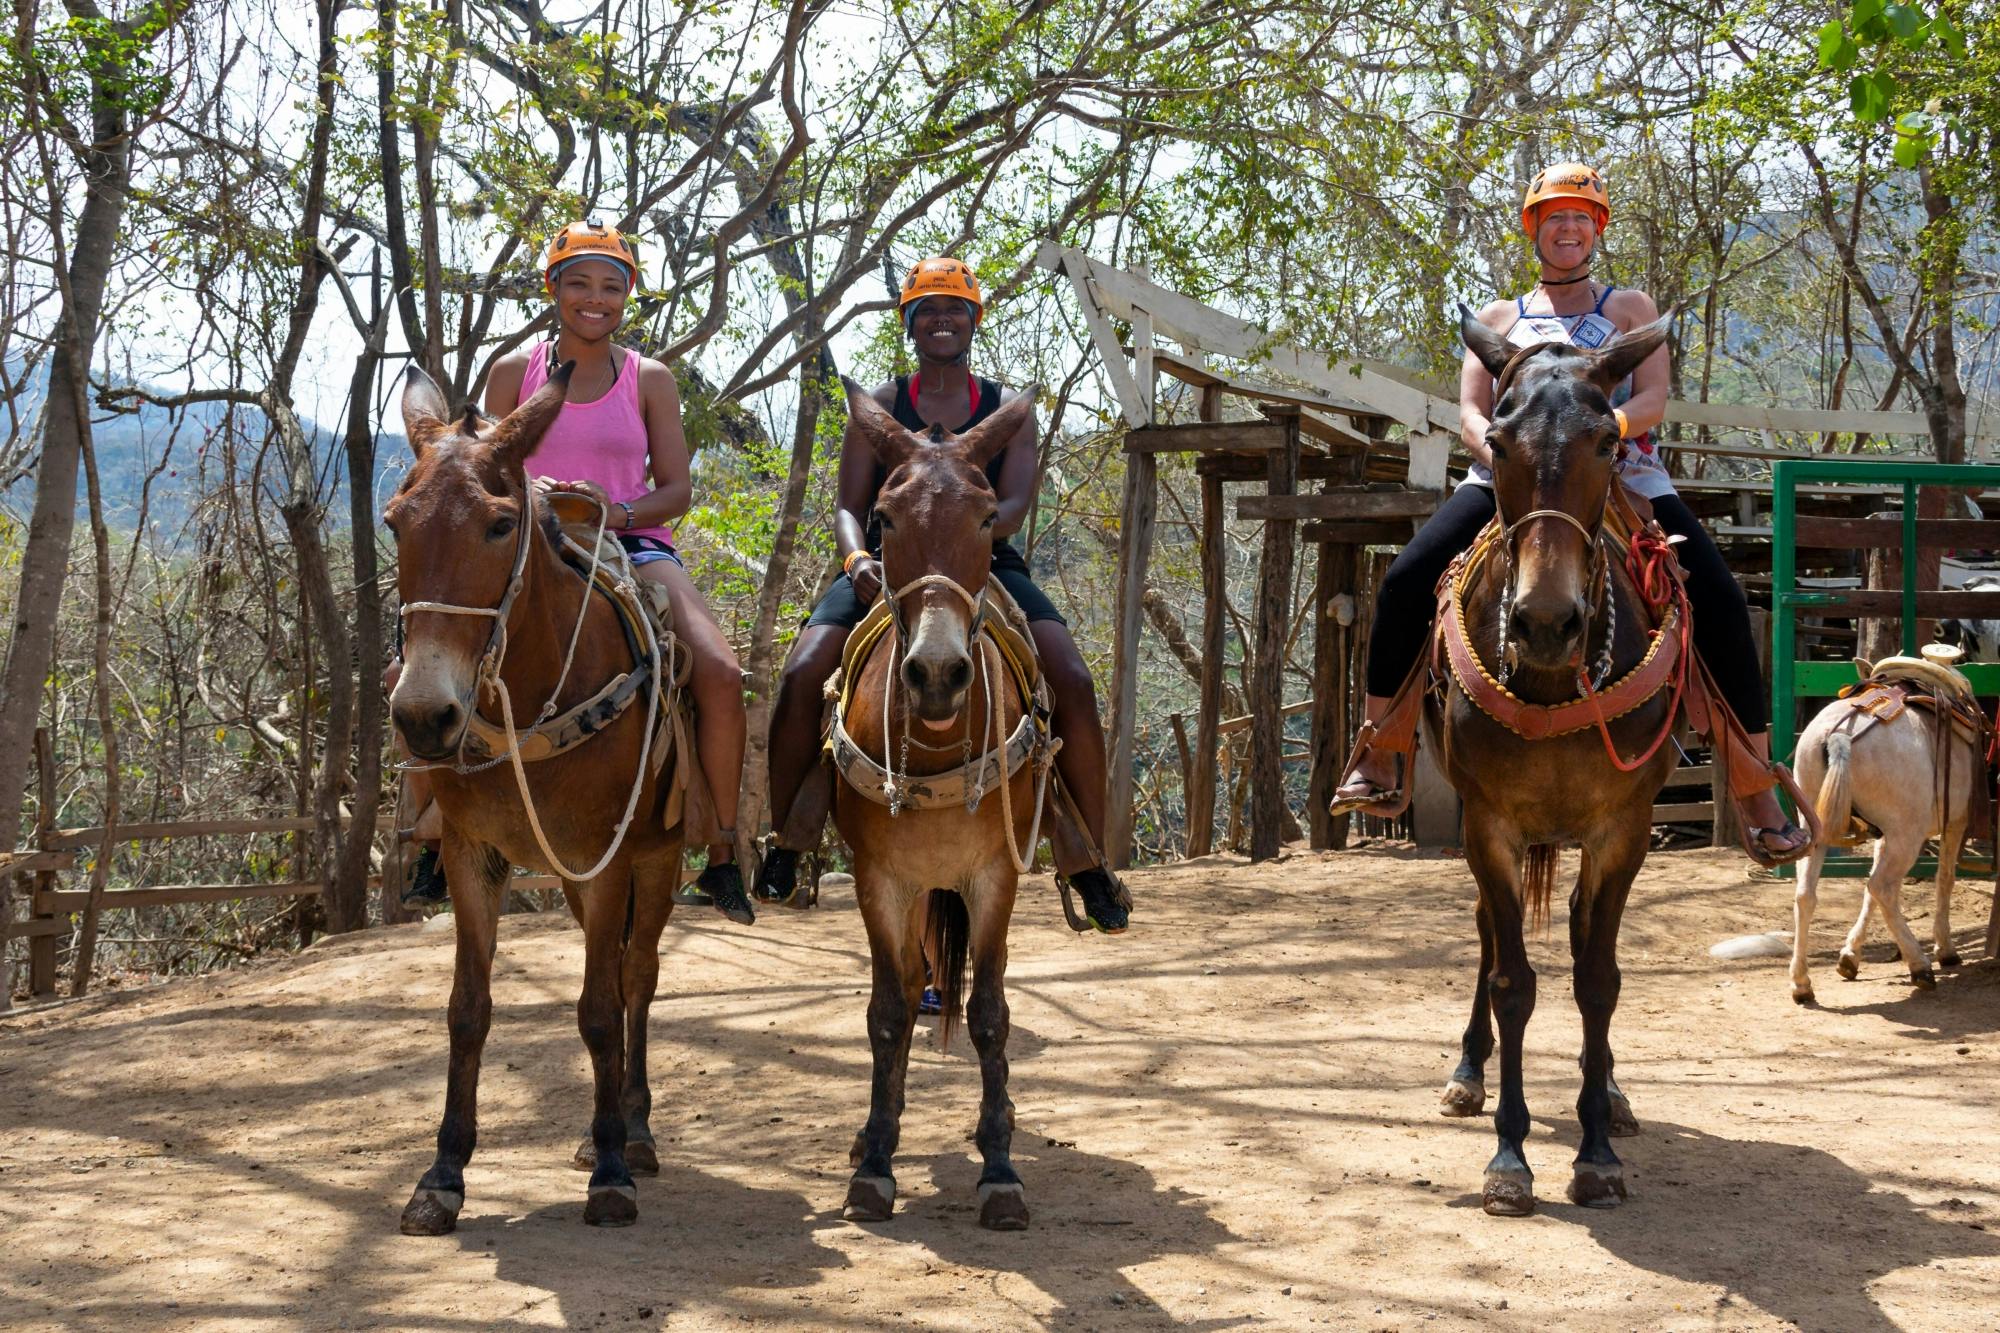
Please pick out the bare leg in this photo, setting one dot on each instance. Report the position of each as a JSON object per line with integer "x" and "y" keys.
{"x": 1082, "y": 759}
{"x": 718, "y": 694}
{"x": 795, "y": 717}
{"x": 1762, "y": 811}
{"x": 1376, "y": 770}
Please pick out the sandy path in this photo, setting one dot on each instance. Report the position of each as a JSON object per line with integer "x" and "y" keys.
{"x": 1226, "y": 1120}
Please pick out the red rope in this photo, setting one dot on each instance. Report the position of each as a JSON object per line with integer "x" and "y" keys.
{"x": 1681, "y": 633}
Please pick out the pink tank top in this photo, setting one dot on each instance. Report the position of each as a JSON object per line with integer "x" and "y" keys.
{"x": 602, "y": 441}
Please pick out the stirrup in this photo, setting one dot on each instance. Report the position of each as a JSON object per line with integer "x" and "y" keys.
{"x": 1753, "y": 845}
{"x": 1382, "y": 802}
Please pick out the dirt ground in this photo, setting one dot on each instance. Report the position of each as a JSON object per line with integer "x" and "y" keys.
{"x": 1227, "y": 1119}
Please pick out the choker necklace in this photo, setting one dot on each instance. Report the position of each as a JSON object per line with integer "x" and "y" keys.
{"x": 1565, "y": 282}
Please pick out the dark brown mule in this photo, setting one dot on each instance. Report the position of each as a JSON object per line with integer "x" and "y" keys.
{"x": 1554, "y": 585}
{"x": 937, "y": 514}
{"x": 463, "y": 519}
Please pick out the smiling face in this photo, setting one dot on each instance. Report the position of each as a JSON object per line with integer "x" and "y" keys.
{"x": 590, "y": 298}
{"x": 1565, "y": 236}
{"x": 942, "y": 328}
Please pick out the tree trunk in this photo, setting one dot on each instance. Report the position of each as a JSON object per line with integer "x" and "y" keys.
{"x": 770, "y": 597}
{"x": 45, "y": 562}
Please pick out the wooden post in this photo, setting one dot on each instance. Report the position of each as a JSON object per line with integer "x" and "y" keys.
{"x": 42, "y": 948}
{"x": 1208, "y": 713}
{"x": 1135, "y": 537}
{"x": 1329, "y": 713}
{"x": 1274, "y": 606}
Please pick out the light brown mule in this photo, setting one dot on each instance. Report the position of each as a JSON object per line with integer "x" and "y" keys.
{"x": 937, "y": 514}
{"x": 1558, "y": 593}
{"x": 459, "y": 521}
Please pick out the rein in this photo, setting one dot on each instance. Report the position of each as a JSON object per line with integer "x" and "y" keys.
{"x": 487, "y": 676}
{"x": 993, "y": 749}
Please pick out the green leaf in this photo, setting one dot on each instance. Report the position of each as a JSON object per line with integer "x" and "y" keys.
{"x": 1903, "y": 21}
{"x": 1950, "y": 34}
{"x": 1864, "y": 11}
{"x": 1831, "y": 38}
{"x": 1909, "y": 151}
{"x": 1867, "y": 99}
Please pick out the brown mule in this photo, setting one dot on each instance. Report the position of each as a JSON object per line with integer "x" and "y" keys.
{"x": 1538, "y": 610}
{"x": 944, "y": 869}
{"x": 472, "y": 541}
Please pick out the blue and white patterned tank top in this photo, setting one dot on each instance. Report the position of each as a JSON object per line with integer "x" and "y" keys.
{"x": 1639, "y": 465}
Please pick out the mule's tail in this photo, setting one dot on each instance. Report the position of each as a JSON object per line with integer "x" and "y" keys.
{"x": 1836, "y": 790}
{"x": 1538, "y": 883}
{"x": 950, "y": 942}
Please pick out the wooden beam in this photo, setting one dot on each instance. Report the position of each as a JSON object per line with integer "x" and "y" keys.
{"x": 1685, "y": 812}
{"x": 1229, "y": 726}
{"x": 1868, "y": 602}
{"x": 1208, "y": 714}
{"x": 1333, "y": 577}
{"x": 34, "y": 928}
{"x": 1135, "y": 545}
{"x": 1240, "y": 437}
{"x": 1202, "y": 376}
{"x": 1274, "y": 615}
{"x": 165, "y": 895}
{"x": 28, "y": 862}
{"x": 42, "y": 948}
{"x": 1849, "y": 534}
{"x": 87, "y": 838}
{"x": 1360, "y": 532}
{"x": 1109, "y": 350}
{"x": 1339, "y": 505}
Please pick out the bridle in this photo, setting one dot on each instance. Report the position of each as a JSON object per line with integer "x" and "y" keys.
{"x": 487, "y": 676}
{"x": 1595, "y": 548}
{"x": 896, "y": 764}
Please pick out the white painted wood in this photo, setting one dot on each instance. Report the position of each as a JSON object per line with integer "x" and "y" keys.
{"x": 1109, "y": 350}
{"x": 1429, "y": 452}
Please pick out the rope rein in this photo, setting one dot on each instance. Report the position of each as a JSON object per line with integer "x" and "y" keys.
{"x": 488, "y": 677}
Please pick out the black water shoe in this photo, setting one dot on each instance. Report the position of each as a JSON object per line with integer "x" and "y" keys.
{"x": 721, "y": 885}
{"x": 1105, "y": 903}
{"x": 426, "y": 887}
{"x": 778, "y": 879}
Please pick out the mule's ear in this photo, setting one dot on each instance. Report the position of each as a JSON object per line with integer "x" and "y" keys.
{"x": 425, "y": 411}
{"x": 991, "y": 437}
{"x": 1493, "y": 351}
{"x": 1625, "y": 353}
{"x": 522, "y": 429}
{"x": 874, "y": 424}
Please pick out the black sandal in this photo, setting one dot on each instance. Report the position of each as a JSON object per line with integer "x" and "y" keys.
{"x": 1107, "y": 905}
{"x": 1763, "y": 855}
{"x": 426, "y": 887}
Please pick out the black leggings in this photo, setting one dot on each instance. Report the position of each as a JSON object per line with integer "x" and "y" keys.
{"x": 1407, "y": 600}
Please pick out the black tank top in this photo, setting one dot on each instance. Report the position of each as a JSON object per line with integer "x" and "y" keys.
{"x": 905, "y": 413}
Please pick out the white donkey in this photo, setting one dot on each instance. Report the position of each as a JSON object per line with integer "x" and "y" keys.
{"x": 1876, "y": 755}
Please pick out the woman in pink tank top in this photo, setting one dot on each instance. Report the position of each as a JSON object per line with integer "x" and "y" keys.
{"x": 618, "y": 439}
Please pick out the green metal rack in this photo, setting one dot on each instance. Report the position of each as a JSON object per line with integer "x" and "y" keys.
{"x": 1792, "y": 680}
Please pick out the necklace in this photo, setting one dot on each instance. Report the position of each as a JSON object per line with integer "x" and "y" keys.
{"x": 1564, "y": 282}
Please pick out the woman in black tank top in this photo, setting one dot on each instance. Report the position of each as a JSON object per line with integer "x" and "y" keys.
{"x": 941, "y": 310}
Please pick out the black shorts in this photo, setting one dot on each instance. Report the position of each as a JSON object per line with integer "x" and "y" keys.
{"x": 839, "y": 606}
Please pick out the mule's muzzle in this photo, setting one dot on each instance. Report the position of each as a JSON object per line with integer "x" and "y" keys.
{"x": 431, "y": 728}
{"x": 937, "y": 683}
{"x": 1548, "y": 632}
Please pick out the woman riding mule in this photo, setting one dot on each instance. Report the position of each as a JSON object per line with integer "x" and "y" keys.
{"x": 1566, "y": 208}
{"x": 941, "y": 308}
{"x": 618, "y": 440}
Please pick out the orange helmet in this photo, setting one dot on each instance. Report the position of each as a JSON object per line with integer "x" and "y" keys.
{"x": 589, "y": 239}
{"x": 1567, "y": 180}
{"x": 941, "y": 277}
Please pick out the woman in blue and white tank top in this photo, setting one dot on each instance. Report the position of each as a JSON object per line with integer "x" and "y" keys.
{"x": 1565, "y": 211}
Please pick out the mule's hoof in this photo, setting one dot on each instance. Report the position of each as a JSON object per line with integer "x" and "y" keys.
{"x": 1623, "y": 1123}
{"x": 641, "y": 1157}
{"x": 1508, "y": 1193}
{"x": 1462, "y": 1099}
{"x": 585, "y": 1156}
{"x": 1003, "y": 1207}
{"x": 1924, "y": 979}
{"x": 1597, "y": 1186}
{"x": 859, "y": 1150}
{"x": 1803, "y": 994}
{"x": 612, "y": 1206}
{"x": 432, "y": 1212}
{"x": 870, "y": 1199}
{"x": 1947, "y": 960}
{"x": 1848, "y": 966}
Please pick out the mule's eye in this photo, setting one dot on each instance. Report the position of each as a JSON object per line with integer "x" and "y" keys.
{"x": 884, "y": 520}
{"x": 502, "y": 527}
{"x": 987, "y": 522}
{"x": 390, "y": 524}
{"x": 1497, "y": 449}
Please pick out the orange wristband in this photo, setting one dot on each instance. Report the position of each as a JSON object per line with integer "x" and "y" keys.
{"x": 847, "y": 565}
{"x": 1624, "y": 426}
